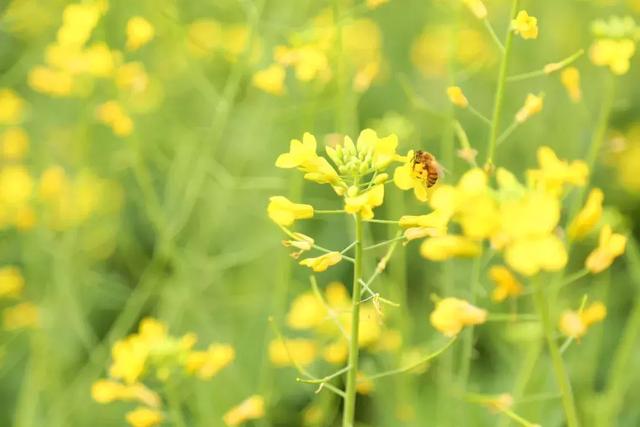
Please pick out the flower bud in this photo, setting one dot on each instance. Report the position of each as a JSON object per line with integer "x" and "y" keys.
{"x": 352, "y": 191}
{"x": 381, "y": 179}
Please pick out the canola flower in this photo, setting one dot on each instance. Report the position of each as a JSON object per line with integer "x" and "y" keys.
{"x": 525, "y": 26}
{"x": 575, "y": 324}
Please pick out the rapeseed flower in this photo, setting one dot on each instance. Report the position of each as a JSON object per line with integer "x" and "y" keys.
{"x": 612, "y": 53}
{"x": 282, "y": 211}
{"x": 364, "y": 203}
{"x": 50, "y": 81}
{"x": 575, "y": 324}
{"x": 270, "y": 79}
{"x": 139, "y": 32}
{"x": 16, "y": 185}
{"x": 107, "y": 391}
{"x": 452, "y": 314}
{"x": 206, "y": 364}
{"x": 588, "y": 217}
{"x": 610, "y": 246}
{"x": 14, "y": 144}
{"x": 302, "y": 155}
{"x": 323, "y": 262}
{"x": 532, "y": 105}
{"x": 524, "y": 25}
{"x": 507, "y": 285}
{"x": 456, "y": 96}
{"x": 11, "y": 282}
{"x": 144, "y": 417}
{"x": 251, "y": 408}
{"x": 408, "y": 176}
{"x": 554, "y": 174}
{"x": 440, "y": 248}
{"x": 570, "y": 78}
{"x": 12, "y": 107}
{"x": 302, "y": 351}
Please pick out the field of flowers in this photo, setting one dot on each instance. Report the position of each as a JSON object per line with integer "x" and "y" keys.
{"x": 320, "y": 213}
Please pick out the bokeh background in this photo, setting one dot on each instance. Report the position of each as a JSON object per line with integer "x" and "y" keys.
{"x": 140, "y": 190}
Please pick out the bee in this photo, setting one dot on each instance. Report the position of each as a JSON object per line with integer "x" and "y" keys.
{"x": 426, "y": 168}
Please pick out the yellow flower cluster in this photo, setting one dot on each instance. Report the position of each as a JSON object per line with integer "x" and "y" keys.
{"x": 612, "y": 53}
{"x": 330, "y": 322}
{"x": 22, "y": 315}
{"x": 206, "y": 36}
{"x": 452, "y": 314}
{"x": 309, "y": 55}
{"x": 153, "y": 350}
{"x": 575, "y": 324}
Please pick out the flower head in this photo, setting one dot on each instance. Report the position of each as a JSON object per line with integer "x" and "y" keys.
{"x": 554, "y": 174}
{"x": 410, "y": 176}
{"x": 250, "y": 409}
{"x": 575, "y": 324}
{"x": 364, "y": 203}
{"x": 440, "y": 248}
{"x": 507, "y": 285}
{"x": 205, "y": 364}
{"x": 526, "y": 26}
{"x": 452, "y": 314}
{"x": 323, "y": 262}
{"x": 144, "y": 417}
{"x": 270, "y": 79}
{"x": 570, "y": 78}
{"x": 456, "y": 96}
{"x": 300, "y": 351}
{"x": 139, "y": 32}
{"x": 532, "y": 105}
{"x": 283, "y": 211}
{"x": 611, "y": 245}
{"x": 588, "y": 217}
{"x": 302, "y": 155}
{"x": 612, "y": 53}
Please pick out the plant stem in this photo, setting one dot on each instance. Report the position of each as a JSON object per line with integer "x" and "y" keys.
{"x": 350, "y": 392}
{"x": 502, "y": 79}
{"x": 556, "y": 358}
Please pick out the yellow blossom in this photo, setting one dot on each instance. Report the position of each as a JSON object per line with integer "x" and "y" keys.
{"x": 23, "y": 315}
{"x": 452, "y": 314}
{"x": 205, "y": 364}
{"x": 144, "y": 417}
{"x": 321, "y": 263}
{"x": 526, "y": 26}
{"x": 506, "y": 284}
{"x": 532, "y": 105}
{"x": 588, "y": 217}
{"x": 132, "y": 77}
{"x": 11, "y": 282}
{"x": 282, "y": 211}
{"x": 570, "y": 78}
{"x": 53, "y": 182}
{"x": 306, "y": 312}
{"x": 12, "y": 107}
{"x": 406, "y": 177}
{"x": 575, "y": 324}
{"x": 554, "y": 174}
{"x": 436, "y": 220}
{"x": 16, "y": 185}
{"x": 302, "y": 351}
{"x": 302, "y": 155}
{"x": 444, "y": 247}
{"x": 101, "y": 61}
{"x": 456, "y": 97}
{"x": 611, "y": 245}
{"x": 250, "y": 409}
{"x": 615, "y": 54}
{"x": 336, "y": 352}
{"x": 476, "y": 7}
{"x": 139, "y": 32}
{"x": 107, "y": 391}
{"x": 270, "y": 79}
{"x": 364, "y": 203}
{"x": 52, "y": 82}
{"x": 78, "y": 21}
{"x": 14, "y": 143}
{"x": 112, "y": 114}
{"x": 310, "y": 62}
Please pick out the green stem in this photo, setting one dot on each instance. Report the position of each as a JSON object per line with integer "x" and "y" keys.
{"x": 559, "y": 369}
{"x": 502, "y": 79}
{"x": 545, "y": 71}
{"x": 467, "y": 340}
{"x": 350, "y": 392}
{"x": 493, "y": 34}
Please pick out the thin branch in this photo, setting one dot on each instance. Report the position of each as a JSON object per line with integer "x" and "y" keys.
{"x": 330, "y": 311}
{"x": 493, "y": 35}
{"x": 325, "y": 379}
{"x": 547, "y": 69}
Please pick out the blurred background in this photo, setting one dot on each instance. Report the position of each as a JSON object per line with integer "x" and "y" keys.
{"x": 137, "y": 159}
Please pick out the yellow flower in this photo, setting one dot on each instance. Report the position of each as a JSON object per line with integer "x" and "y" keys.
{"x": 406, "y": 177}
{"x": 101, "y": 61}
{"x": 476, "y": 7}
{"x": 610, "y": 246}
{"x": 364, "y": 203}
{"x": 526, "y": 26}
{"x": 205, "y": 364}
{"x": 588, "y": 217}
{"x": 570, "y": 78}
{"x": 614, "y": 54}
{"x": 302, "y": 155}
{"x": 321, "y": 263}
{"x": 452, "y": 314}
{"x": 373, "y": 4}
{"x": 250, "y": 409}
{"x": 432, "y": 224}
{"x": 506, "y": 284}
{"x": 336, "y": 352}
{"x": 78, "y": 21}
{"x": 23, "y": 315}
{"x": 302, "y": 351}
{"x": 139, "y": 32}
{"x": 282, "y": 211}
{"x": 144, "y": 417}
{"x": 575, "y": 324}
{"x": 52, "y": 82}
{"x": 441, "y": 248}
{"x": 306, "y": 312}
{"x": 530, "y": 255}
{"x": 310, "y": 62}
{"x": 112, "y": 114}
{"x": 14, "y": 144}
{"x": 271, "y": 79}
{"x": 456, "y": 97}
{"x": 107, "y": 391}
{"x": 11, "y": 282}
{"x": 364, "y": 385}
{"x": 16, "y": 185}
{"x": 12, "y": 107}
{"x": 532, "y": 105}
{"x": 554, "y": 174}
{"x": 132, "y": 77}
